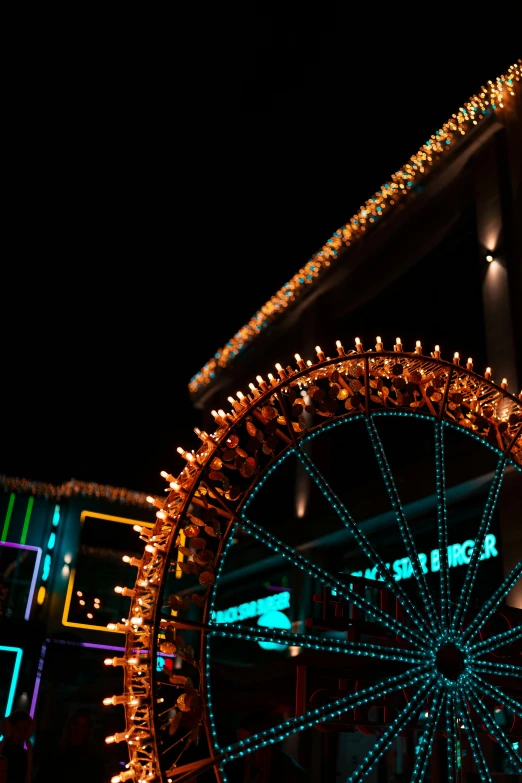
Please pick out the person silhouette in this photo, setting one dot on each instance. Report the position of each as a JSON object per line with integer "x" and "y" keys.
{"x": 15, "y": 749}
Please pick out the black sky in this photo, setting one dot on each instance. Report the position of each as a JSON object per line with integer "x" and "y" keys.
{"x": 166, "y": 182}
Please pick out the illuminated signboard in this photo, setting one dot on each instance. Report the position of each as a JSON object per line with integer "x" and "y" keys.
{"x": 458, "y": 554}
{"x": 9, "y": 679}
{"x": 271, "y": 603}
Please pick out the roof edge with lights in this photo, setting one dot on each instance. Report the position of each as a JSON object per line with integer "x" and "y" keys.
{"x": 74, "y": 488}
{"x": 491, "y": 99}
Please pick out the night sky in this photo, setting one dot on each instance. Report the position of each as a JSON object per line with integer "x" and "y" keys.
{"x": 166, "y": 188}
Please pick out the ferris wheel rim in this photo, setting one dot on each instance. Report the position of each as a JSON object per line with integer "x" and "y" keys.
{"x": 321, "y": 427}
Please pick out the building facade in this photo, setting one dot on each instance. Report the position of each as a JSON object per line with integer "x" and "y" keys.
{"x": 61, "y": 550}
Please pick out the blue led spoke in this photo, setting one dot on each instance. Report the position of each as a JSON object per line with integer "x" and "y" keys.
{"x": 474, "y": 742}
{"x": 388, "y": 738}
{"x": 493, "y": 602}
{"x": 442, "y": 526}
{"x": 330, "y": 581}
{"x": 322, "y": 714}
{"x": 497, "y": 693}
{"x": 499, "y": 669}
{"x": 471, "y": 572}
{"x": 426, "y": 741}
{"x": 451, "y": 726}
{"x": 349, "y": 522}
{"x": 494, "y": 642}
{"x": 404, "y": 528}
{"x": 494, "y": 729}
{"x": 312, "y": 642}
{"x": 210, "y": 608}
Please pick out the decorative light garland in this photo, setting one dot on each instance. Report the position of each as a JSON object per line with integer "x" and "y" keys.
{"x": 471, "y": 572}
{"x": 74, "y": 488}
{"x": 402, "y": 522}
{"x": 361, "y": 539}
{"x": 495, "y": 729}
{"x": 442, "y": 526}
{"x": 491, "y": 99}
{"x": 473, "y": 739}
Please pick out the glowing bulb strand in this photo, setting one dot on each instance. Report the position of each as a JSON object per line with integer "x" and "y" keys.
{"x": 211, "y": 603}
{"x": 471, "y": 571}
{"x": 497, "y": 693}
{"x": 495, "y": 729}
{"x": 388, "y": 738}
{"x": 451, "y": 724}
{"x": 474, "y": 742}
{"x": 493, "y": 602}
{"x": 426, "y": 740}
{"x": 499, "y": 669}
{"x": 494, "y": 642}
{"x": 404, "y": 529}
{"x": 322, "y": 714}
{"x": 275, "y": 636}
{"x": 442, "y": 526}
{"x": 328, "y": 580}
{"x": 346, "y": 518}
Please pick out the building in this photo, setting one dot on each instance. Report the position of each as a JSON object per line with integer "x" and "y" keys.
{"x": 61, "y": 551}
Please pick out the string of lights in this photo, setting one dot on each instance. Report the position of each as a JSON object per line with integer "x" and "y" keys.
{"x": 73, "y": 488}
{"x": 442, "y": 526}
{"x": 473, "y": 739}
{"x": 402, "y": 522}
{"x": 361, "y": 539}
{"x": 471, "y": 573}
{"x": 491, "y": 99}
{"x": 390, "y": 734}
{"x": 494, "y": 602}
{"x": 494, "y": 729}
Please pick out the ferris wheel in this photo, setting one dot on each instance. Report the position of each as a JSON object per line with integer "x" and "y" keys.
{"x": 424, "y": 652}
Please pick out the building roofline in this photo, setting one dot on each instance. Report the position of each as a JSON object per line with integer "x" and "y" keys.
{"x": 74, "y": 488}
{"x": 490, "y": 101}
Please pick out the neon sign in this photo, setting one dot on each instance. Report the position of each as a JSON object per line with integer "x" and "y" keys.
{"x": 458, "y": 554}
{"x": 262, "y": 606}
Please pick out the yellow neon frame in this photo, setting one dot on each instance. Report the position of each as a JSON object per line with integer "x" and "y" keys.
{"x": 70, "y": 586}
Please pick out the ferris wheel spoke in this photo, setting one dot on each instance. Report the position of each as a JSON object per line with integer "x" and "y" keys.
{"x": 312, "y": 642}
{"x": 328, "y": 580}
{"x": 473, "y": 739}
{"x": 384, "y": 743}
{"x": 497, "y": 693}
{"x": 471, "y": 572}
{"x": 491, "y": 605}
{"x": 348, "y": 521}
{"x": 495, "y": 730}
{"x": 442, "y": 526}
{"x": 321, "y": 714}
{"x": 404, "y": 528}
{"x": 451, "y": 725}
{"x": 426, "y": 742}
{"x": 499, "y": 669}
{"x": 494, "y": 642}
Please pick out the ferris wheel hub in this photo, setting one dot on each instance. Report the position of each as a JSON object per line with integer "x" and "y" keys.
{"x": 450, "y": 661}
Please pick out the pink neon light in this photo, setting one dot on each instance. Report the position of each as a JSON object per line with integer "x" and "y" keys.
{"x": 35, "y": 572}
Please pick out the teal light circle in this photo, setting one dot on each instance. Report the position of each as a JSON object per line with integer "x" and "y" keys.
{"x": 274, "y": 619}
